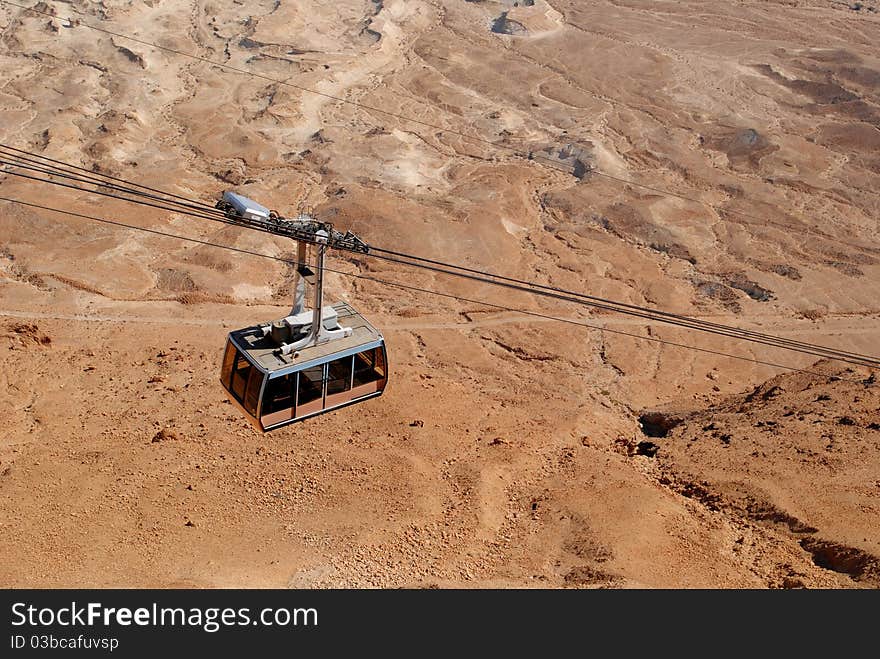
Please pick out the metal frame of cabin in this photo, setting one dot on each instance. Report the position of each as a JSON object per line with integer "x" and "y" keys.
{"x": 358, "y": 364}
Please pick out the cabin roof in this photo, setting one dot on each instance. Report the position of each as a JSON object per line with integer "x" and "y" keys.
{"x": 264, "y": 353}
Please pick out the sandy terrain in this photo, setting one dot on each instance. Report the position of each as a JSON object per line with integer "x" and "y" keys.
{"x": 505, "y": 451}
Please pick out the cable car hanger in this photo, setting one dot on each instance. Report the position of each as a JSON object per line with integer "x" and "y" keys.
{"x": 305, "y": 230}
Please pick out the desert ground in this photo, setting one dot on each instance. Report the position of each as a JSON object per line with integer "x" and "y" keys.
{"x": 507, "y": 451}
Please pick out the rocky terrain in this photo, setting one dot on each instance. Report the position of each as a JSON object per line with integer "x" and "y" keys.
{"x": 507, "y": 451}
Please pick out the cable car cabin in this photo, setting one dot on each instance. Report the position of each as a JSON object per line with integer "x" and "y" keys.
{"x": 275, "y": 389}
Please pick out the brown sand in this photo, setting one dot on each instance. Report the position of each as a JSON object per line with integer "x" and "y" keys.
{"x": 506, "y": 451}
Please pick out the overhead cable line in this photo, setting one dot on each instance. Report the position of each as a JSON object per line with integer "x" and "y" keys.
{"x": 113, "y": 194}
{"x": 34, "y": 162}
{"x": 198, "y": 205}
{"x": 614, "y": 305}
{"x": 417, "y": 289}
{"x": 645, "y": 313}
{"x": 683, "y": 321}
{"x": 100, "y": 177}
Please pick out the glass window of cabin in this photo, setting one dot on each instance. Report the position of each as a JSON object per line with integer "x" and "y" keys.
{"x": 240, "y": 374}
{"x": 279, "y": 394}
{"x": 311, "y": 384}
{"x": 252, "y": 395}
{"x": 379, "y": 366}
{"x": 369, "y": 366}
{"x": 339, "y": 375}
{"x": 228, "y": 361}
